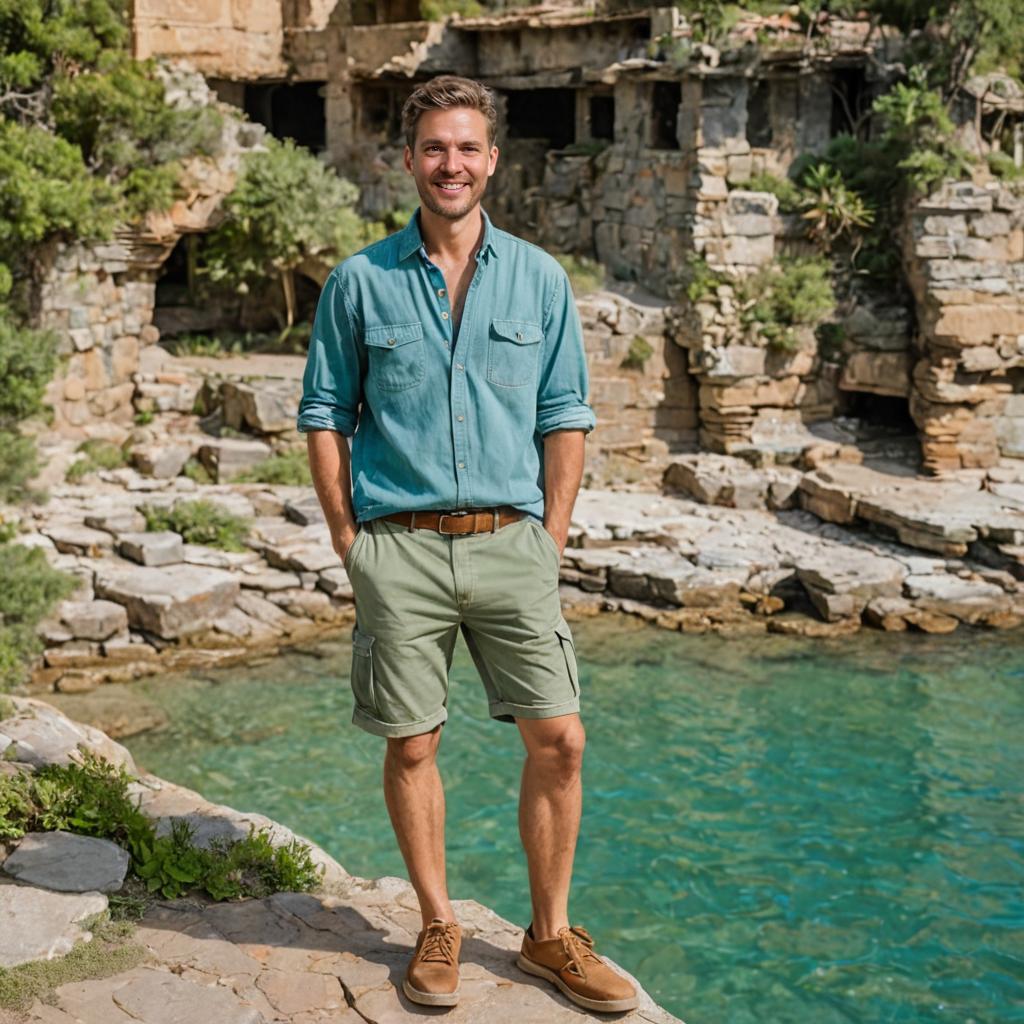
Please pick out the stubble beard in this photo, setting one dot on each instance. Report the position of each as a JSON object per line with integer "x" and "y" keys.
{"x": 451, "y": 211}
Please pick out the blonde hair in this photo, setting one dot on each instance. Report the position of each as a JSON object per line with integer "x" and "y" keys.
{"x": 447, "y": 91}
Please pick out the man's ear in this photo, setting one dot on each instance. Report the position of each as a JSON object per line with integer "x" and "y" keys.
{"x": 493, "y": 161}
{"x": 407, "y": 159}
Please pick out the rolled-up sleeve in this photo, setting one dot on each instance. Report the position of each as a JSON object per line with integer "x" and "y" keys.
{"x": 332, "y": 382}
{"x": 561, "y": 398}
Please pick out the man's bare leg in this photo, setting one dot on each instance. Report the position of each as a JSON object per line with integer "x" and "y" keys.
{"x": 415, "y": 800}
{"x": 550, "y": 805}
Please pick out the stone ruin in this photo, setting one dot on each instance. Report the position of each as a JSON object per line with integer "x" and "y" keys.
{"x": 625, "y": 140}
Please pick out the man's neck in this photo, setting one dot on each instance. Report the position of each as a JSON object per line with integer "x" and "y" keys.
{"x": 451, "y": 241}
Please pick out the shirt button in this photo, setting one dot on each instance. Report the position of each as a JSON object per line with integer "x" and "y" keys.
{"x": 440, "y": 292}
{"x": 460, "y": 418}
{"x": 459, "y": 366}
{"x": 462, "y": 465}
{"x": 444, "y": 316}
{"x": 391, "y": 341}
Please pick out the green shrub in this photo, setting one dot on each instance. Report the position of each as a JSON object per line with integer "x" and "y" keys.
{"x": 200, "y": 522}
{"x": 832, "y": 209}
{"x": 639, "y": 352}
{"x": 18, "y": 464}
{"x": 794, "y": 292}
{"x": 585, "y": 275}
{"x": 782, "y": 188}
{"x": 286, "y": 468}
{"x": 286, "y": 206}
{"x": 27, "y": 362}
{"x": 31, "y": 587}
{"x": 91, "y": 798}
{"x": 97, "y": 454}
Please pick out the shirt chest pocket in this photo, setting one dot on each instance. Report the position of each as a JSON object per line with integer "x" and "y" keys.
{"x": 513, "y": 350}
{"x": 395, "y": 354}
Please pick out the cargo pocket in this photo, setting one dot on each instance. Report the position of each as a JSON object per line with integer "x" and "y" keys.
{"x": 362, "y": 672}
{"x": 569, "y": 651}
{"x": 512, "y": 353}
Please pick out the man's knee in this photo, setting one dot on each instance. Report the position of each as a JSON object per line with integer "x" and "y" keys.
{"x": 411, "y": 752}
{"x": 560, "y": 748}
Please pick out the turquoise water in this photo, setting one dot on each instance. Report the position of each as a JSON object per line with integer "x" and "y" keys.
{"x": 774, "y": 830}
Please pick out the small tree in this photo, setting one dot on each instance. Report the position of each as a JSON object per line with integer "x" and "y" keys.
{"x": 286, "y": 207}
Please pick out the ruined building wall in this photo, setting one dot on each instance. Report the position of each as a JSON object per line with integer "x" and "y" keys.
{"x": 964, "y": 256}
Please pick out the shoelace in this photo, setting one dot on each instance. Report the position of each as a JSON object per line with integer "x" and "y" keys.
{"x": 439, "y": 943}
{"x": 578, "y": 946}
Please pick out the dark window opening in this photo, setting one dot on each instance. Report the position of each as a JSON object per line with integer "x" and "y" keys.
{"x": 380, "y": 109}
{"x": 290, "y": 111}
{"x": 666, "y": 98}
{"x": 891, "y": 412}
{"x": 542, "y": 114}
{"x": 759, "y": 115}
{"x": 850, "y": 100}
{"x": 602, "y": 117}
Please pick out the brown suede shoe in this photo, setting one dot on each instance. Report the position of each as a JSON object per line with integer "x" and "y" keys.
{"x": 571, "y": 963}
{"x": 432, "y": 977}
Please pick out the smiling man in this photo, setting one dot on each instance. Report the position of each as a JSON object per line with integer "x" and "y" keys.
{"x": 452, "y": 351}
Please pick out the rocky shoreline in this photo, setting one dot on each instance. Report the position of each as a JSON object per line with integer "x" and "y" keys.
{"x": 336, "y": 954}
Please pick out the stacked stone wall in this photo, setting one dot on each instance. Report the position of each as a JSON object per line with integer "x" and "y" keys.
{"x": 965, "y": 262}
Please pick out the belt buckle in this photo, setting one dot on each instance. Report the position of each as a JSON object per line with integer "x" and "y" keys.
{"x": 449, "y": 515}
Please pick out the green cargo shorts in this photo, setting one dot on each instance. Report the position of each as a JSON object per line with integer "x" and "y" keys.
{"x": 415, "y": 589}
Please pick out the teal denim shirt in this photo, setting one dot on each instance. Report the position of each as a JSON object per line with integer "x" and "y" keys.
{"x": 442, "y": 422}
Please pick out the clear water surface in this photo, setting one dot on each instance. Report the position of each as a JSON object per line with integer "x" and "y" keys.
{"x": 774, "y": 830}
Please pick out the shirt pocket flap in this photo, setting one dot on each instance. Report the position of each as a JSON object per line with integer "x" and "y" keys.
{"x": 393, "y": 335}
{"x": 519, "y": 331}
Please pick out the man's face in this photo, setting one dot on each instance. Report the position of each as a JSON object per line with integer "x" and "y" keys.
{"x": 451, "y": 160}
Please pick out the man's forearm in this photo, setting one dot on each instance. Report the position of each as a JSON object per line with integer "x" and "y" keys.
{"x": 563, "y": 471}
{"x": 332, "y": 479}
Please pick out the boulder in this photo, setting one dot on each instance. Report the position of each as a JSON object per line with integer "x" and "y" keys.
{"x": 227, "y": 457}
{"x": 66, "y": 862}
{"x": 169, "y": 602}
{"x": 93, "y": 620}
{"x": 266, "y": 406}
{"x": 75, "y": 539}
{"x": 305, "y": 511}
{"x": 161, "y": 460}
{"x": 36, "y": 924}
{"x": 161, "y": 547}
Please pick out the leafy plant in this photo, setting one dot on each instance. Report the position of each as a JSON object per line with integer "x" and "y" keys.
{"x": 200, "y": 522}
{"x": 698, "y": 280}
{"x": 832, "y": 209}
{"x": 1002, "y": 166}
{"x": 285, "y": 468}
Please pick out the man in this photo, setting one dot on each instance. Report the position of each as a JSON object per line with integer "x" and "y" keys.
{"x": 456, "y": 350}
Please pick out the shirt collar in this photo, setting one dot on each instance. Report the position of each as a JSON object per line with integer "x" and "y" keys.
{"x": 410, "y": 240}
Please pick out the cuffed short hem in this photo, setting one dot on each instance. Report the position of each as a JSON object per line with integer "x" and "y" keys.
{"x": 372, "y": 725}
{"x": 503, "y": 711}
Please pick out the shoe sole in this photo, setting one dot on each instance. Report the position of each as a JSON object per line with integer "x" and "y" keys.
{"x": 430, "y": 998}
{"x": 602, "y": 1005}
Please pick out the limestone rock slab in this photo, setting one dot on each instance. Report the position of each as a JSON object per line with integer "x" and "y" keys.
{"x": 266, "y": 406}
{"x": 36, "y": 924}
{"x": 93, "y": 620}
{"x": 169, "y": 602}
{"x": 66, "y": 862}
{"x": 159, "y": 547}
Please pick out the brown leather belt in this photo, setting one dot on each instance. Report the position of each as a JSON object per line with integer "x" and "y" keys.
{"x": 470, "y": 520}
